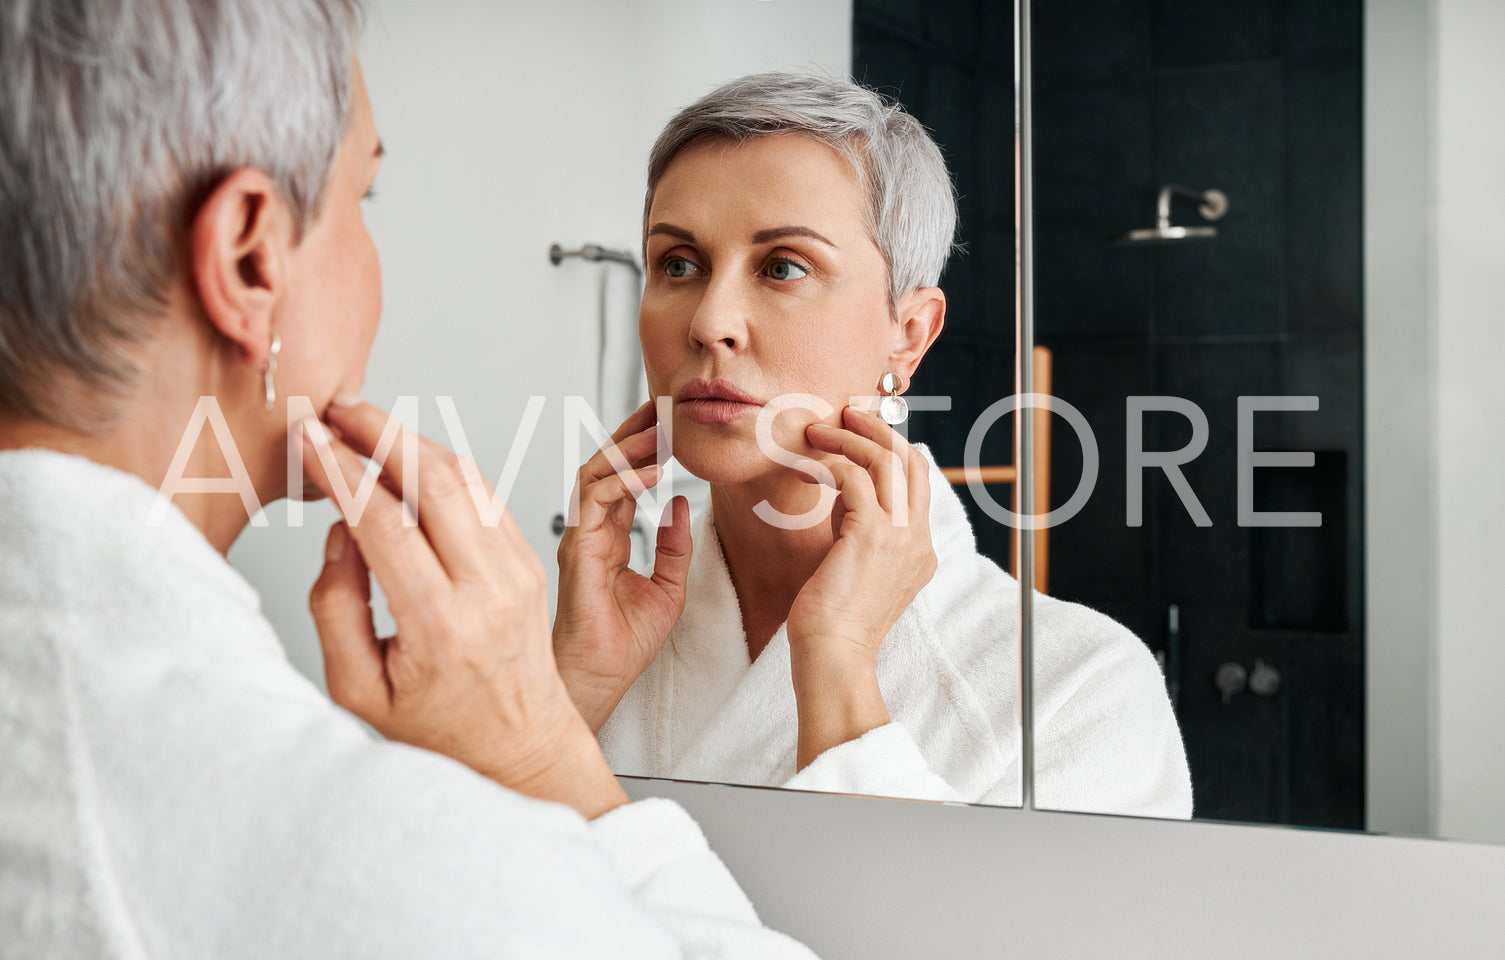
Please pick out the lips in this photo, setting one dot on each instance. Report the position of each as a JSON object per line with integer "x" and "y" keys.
{"x": 715, "y": 401}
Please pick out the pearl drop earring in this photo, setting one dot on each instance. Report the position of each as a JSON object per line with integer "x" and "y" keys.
{"x": 893, "y": 408}
{"x": 271, "y": 370}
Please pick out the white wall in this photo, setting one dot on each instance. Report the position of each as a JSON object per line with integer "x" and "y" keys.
{"x": 1434, "y": 248}
{"x": 863, "y": 879}
{"x": 1400, "y": 416}
{"x": 508, "y": 127}
{"x": 1470, "y": 297}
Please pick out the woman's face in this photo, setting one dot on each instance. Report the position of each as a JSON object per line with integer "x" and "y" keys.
{"x": 762, "y": 281}
{"x": 334, "y": 302}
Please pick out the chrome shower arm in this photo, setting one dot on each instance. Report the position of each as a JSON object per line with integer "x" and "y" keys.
{"x": 595, "y": 254}
{"x": 1211, "y": 204}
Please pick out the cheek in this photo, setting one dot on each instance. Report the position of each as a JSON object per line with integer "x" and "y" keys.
{"x": 663, "y": 340}
{"x": 372, "y": 300}
{"x": 359, "y": 305}
{"x": 842, "y": 351}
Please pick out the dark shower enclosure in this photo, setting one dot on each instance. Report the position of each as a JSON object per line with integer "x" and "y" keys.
{"x": 1261, "y": 629}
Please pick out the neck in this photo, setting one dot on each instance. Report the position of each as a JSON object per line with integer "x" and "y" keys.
{"x": 768, "y": 564}
{"x": 145, "y": 450}
{"x": 145, "y": 428}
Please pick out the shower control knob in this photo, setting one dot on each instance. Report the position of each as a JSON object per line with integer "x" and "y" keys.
{"x": 1265, "y": 680}
{"x": 558, "y": 525}
{"x": 1231, "y": 679}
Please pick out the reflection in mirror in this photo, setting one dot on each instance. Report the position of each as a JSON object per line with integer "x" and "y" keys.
{"x": 483, "y": 202}
{"x": 795, "y": 232}
{"x": 754, "y": 282}
{"x": 844, "y": 635}
{"x": 1204, "y": 242}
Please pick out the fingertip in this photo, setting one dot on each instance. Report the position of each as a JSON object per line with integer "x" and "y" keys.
{"x": 830, "y": 430}
{"x": 317, "y": 432}
{"x": 334, "y": 547}
{"x": 853, "y": 414}
{"x": 344, "y": 407}
{"x": 311, "y": 432}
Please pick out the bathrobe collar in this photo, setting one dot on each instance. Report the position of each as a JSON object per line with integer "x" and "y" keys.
{"x": 65, "y": 514}
{"x": 707, "y": 710}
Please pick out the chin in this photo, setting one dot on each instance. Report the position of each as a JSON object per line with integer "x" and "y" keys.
{"x": 729, "y": 456}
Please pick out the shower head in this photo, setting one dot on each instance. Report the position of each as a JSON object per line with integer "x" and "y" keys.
{"x": 1212, "y": 205}
{"x": 1151, "y": 236}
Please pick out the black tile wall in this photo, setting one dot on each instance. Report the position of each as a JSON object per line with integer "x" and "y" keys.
{"x": 1196, "y": 33}
{"x": 905, "y": 15}
{"x": 1208, "y": 563}
{"x": 1222, "y": 128}
{"x": 1090, "y": 40}
{"x": 1258, "y": 98}
{"x": 1324, "y": 199}
{"x": 995, "y": 31}
{"x": 951, "y": 65}
{"x": 1097, "y": 554}
{"x": 992, "y": 247}
{"x": 953, "y": 25}
{"x": 1097, "y": 136}
{"x": 1322, "y": 32}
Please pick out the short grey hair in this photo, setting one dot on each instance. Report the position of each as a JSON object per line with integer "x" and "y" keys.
{"x": 911, "y": 211}
{"x": 117, "y": 118}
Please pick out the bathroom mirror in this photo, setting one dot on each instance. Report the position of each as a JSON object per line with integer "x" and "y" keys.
{"x": 510, "y": 230}
{"x": 1266, "y": 242}
{"x": 1357, "y": 168}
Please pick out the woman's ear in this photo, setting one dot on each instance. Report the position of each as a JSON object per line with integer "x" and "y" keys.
{"x": 238, "y": 250}
{"x": 922, "y": 314}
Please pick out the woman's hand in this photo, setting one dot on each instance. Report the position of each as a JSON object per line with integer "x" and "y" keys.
{"x": 470, "y": 672}
{"x": 880, "y": 561}
{"x": 612, "y": 620}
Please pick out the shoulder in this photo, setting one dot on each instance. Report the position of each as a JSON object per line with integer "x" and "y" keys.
{"x": 281, "y": 785}
{"x": 971, "y": 605}
{"x": 1107, "y": 739}
{"x": 1076, "y": 646}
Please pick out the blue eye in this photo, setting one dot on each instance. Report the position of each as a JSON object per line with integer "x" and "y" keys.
{"x": 678, "y": 267}
{"x": 786, "y": 270}
{"x": 370, "y": 194}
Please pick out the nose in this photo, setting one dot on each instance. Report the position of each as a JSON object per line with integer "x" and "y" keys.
{"x": 720, "y": 321}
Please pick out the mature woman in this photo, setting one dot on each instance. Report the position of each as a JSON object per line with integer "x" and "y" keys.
{"x": 182, "y": 248}
{"x": 839, "y": 630}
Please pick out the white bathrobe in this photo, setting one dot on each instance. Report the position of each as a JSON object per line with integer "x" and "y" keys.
{"x": 171, "y": 787}
{"x": 1107, "y": 739}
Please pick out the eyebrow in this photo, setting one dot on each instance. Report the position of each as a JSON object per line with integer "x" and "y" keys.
{"x": 670, "y": 229}
{"x": 381, "y": 150}
{"x": 762, "y": 236}
{"x": 779, "y": 233}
